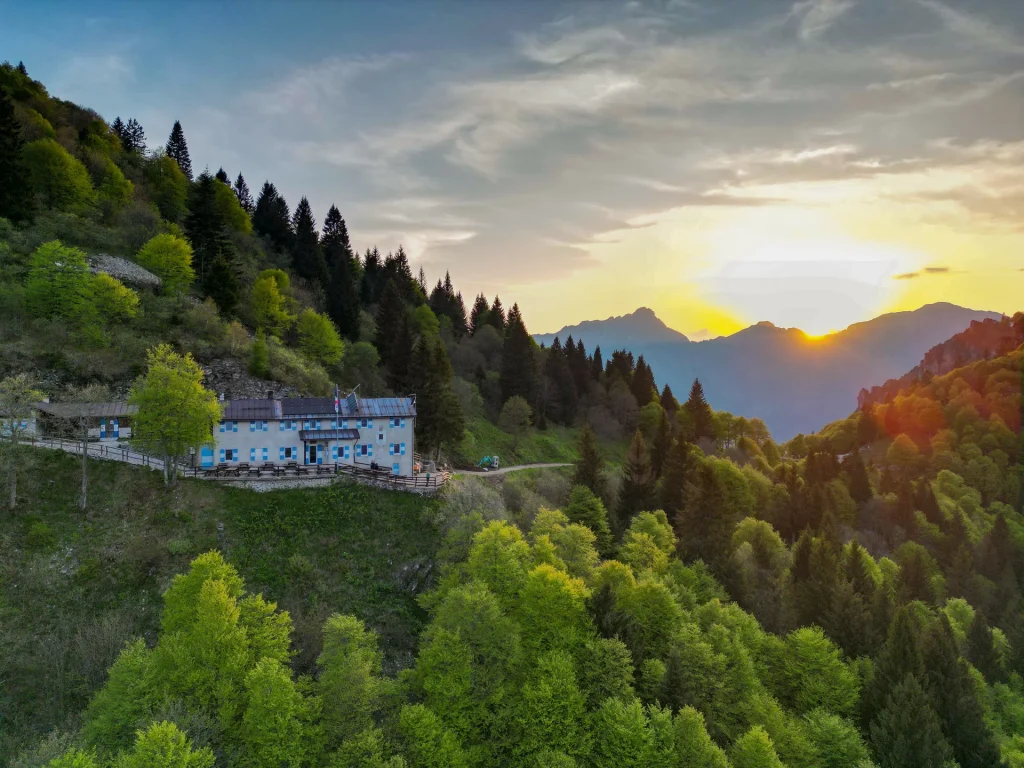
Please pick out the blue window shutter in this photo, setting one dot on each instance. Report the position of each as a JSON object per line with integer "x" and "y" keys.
{"x": 346, "y": 452}
{"x": 403, "y": 449}
{"x": 222, "y": 454}
{"x": 252, "y": 426}
{"x": 394, "y": 469}
{"x": 371, "y": 449}
{"x": 264, "y": 454}
{"x": 282, "y": 453}
{"x": 391, "y": 449}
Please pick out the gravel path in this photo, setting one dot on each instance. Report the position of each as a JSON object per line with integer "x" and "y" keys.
{"x": 505, "y": 470}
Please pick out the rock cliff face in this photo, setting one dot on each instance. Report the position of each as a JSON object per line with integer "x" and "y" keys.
{"x": 982, "y": 340}
{"x": 229, "y": 377}
{"x": 128, "y": 272}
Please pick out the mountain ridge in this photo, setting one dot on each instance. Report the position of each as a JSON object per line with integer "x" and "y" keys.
{"x": 795, "y": 382}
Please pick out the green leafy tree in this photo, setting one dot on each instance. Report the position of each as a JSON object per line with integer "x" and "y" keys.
{"x": 699, "y": 412}
{"x": 269, "y": 305}
{"x": 427, "y": 743}
{"x": 230, "y": 208}
{"x": 636, "y": 491}
{"x": 694, "y": 747}
{"x": 162, "y": 745}
{"x": 622, "y": 737}
{"x": 515, "y": 419}
{"x": 586, "y": 509}
{"x": 755, "y": 749}
{"x": 259, "y": 356}
{"x": 17, "y": 398}
{"x": 113, "y": 299}
{"x": 319, "y": 339}
{"x": 349, "y": 682}
{"x": 176, "y": 412}
{"x": 167, "y": 186}
{"x": 58, "y": 178}
{"x": 170, "y": 258}
{"x": 836, "y": 740}
{"x": 123, "y": 702}
{"x": 74, "y": 758}
{"x": 272, "y": 730}
{"x": 177, "y": 150}
{"x": 58, "y": 284}
{"x": 809, "y": 673}
{"x": 16, "y": 197}
{"x": 589, "y": 468}
{"x": 115, "y": 191}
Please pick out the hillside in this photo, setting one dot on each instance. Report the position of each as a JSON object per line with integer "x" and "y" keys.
{"x": 792, "y": 382}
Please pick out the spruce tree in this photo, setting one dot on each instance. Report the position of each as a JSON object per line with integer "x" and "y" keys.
{"x": 900, "y": 656}
{"x": 243, "y": 194}
{"x": 642, "y": 384}
{"x": 342, "y": 291}
{"x": 981, "y": 650}
{"x": 401, "y": 350}
{"x": 16, "y": 198}
{"x": 702, "y": 424}
{"x": 518, "y": 366}
{"x": 662, "y": 445}
{"x": 177, "y": 149}
{"x": 860, "y": 486}
{"x": 118, "y": 129}
{"x": 478, "y": 316}
{"x": 270, "y": 218}
{"x": 906, "y": 733}
{"x": 955, "y": 699}
{"x": 307, "y": 260}
{"x": 439, "y": 417}
{"x": 596, "y": 364}
{"x": 704, "y": 527}
{"x": 668, "y": 401}
{"x": 389, "y": 322}
{"x": 496, "y": 317}
{"x": 135, "y": 137}
{"x": 212, "y": 251}
{"x": 677, "y": 477}
{"x": 636, "y": 491}
{"x": 222, "y": 176}
{"x": 589, "y": 470}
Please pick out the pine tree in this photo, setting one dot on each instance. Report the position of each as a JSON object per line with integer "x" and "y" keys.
{"x": 642, "y": 384}
{"x": 307, "y": 260}
{"x": 271, "y": 219}
{"x": 222, "y": 176}
{"x": 439, "y": 417}
{"x": 119, "y": 130}
{"x": 518, "y": 366}
{"x": 900, "y": 656}
{"x": 860, "y": 486}
{"x": 342, "y": 291}
{"x": 589, "y": 469}
{"x": 662, "y": 445}
{"x": 702, "y": 424}
{"x": 243, "y": 194}
{"x": 907, "y": 732}
{"x": 596, "y": 364}
{"x": 496, "y": 317}
{"x": 389, "y": 321}
{"x": 636, "y": 491}
{"x": 212, "y": 252}
{"x": 478, "y": 316}
{"x": 16, "y": 199}
{"x": 177, "y": 149}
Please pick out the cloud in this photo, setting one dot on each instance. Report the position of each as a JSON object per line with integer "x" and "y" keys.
{"x": 907, "y": 276}
{"x": 936, "y": 270}
{"x": 817, "y": 16}
{"x": 922, "y": 273}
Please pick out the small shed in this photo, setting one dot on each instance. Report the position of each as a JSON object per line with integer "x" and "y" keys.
{"x": 107, "y": 422}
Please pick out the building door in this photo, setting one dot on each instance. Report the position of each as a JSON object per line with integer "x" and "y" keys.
{"x": 311, "y": 453}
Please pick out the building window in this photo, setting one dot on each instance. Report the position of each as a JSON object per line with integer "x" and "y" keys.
{"x": 396, "y": 422}
{"x": 230, "y": 454}
{"x": 364, "y": 423}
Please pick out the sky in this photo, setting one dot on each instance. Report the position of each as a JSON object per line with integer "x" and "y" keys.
{"x": 811, "y": 163}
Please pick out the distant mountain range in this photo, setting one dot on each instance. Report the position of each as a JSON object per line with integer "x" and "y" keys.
{"x": 793, "y": 382}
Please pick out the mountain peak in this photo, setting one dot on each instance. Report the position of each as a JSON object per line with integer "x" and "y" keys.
{"x": 641, "y": 326}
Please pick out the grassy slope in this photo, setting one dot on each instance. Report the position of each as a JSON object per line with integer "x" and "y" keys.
{"x": 74, "y": 586}
{"x": 554, "y": 444}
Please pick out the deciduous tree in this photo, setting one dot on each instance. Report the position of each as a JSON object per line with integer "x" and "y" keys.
{"x": 515, "y": 419}
{"x": 18, "y": 394}
{"x": 170, "y": 258}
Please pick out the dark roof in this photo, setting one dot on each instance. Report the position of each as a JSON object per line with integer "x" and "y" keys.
{"x": 366, "y": 407}
{"x": 253, "y": 410}
{"x": 328, "y": 434}
{"x": 87, "y": 410}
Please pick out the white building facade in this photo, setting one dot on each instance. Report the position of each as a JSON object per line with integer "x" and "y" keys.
{"x": 316, "y": 430}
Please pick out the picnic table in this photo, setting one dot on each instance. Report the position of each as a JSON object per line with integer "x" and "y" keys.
{"x": 270, "y": 468}
{"x": 226, "y": 469}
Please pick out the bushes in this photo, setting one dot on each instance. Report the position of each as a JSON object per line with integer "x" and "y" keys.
{"x": 291, "y": 369}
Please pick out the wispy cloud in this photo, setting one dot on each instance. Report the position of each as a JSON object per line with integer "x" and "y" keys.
{"x": 817, "y": 16}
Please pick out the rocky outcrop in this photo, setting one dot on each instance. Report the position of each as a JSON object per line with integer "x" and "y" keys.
{"x": 128, "y": 272}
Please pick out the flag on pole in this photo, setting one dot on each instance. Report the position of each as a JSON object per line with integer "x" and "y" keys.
{"x": 337, "y": 400}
